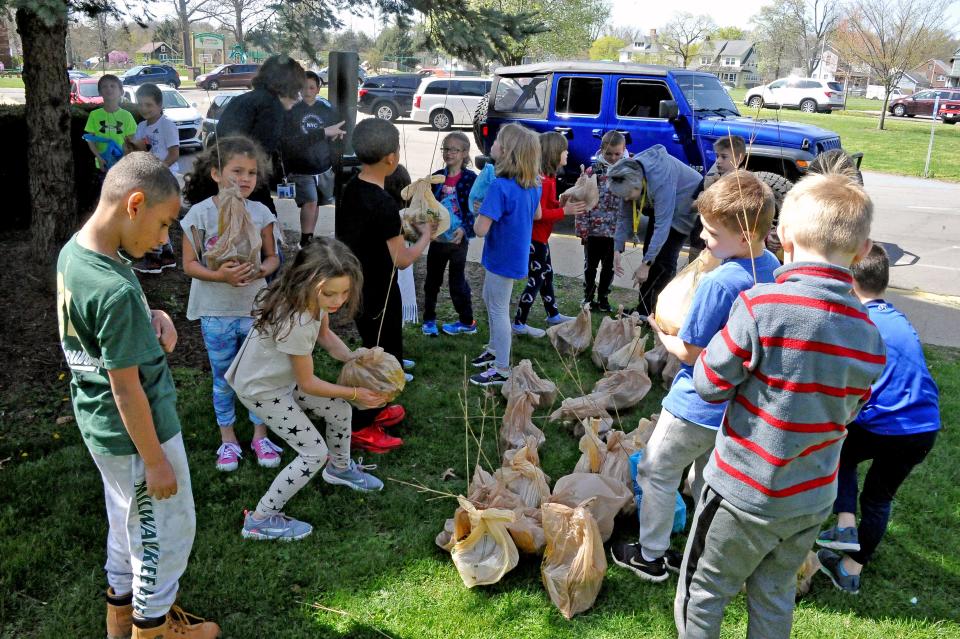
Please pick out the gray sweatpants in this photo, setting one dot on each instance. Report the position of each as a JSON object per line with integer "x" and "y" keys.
{"x": 150, "y": 539}
{"x": 497, "y": 291}
{"x": 728, "y": 547}
{"x": 675, "y": 444}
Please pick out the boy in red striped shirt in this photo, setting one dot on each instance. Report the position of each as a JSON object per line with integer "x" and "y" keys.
{"x": 796, "y": 360}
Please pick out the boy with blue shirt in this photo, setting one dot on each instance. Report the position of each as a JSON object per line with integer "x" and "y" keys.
{"x": 737, "y": 212}
{"x": 894, "y": 430}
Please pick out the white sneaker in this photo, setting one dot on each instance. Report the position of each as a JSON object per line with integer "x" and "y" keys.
{"x": 529, "y": 331}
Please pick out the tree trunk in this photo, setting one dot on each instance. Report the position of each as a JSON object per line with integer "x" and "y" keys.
{"x": 187, "y": 39}
{"x": 53, "y": 204}
{"x": 883, "y": 111}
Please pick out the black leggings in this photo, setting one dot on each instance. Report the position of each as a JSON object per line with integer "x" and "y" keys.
{"x": 597, "y": 251}
{"x": 662, "y": 270}
{"x": 441, "y": 254}
{"x": 539, "y": 280}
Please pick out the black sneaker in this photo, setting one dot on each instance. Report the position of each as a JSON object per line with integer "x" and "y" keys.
{"x": 628, "y": 556}
{"x": 830, "y": 565}
{"x": 601, "y": 305}
{"x": 168, "y": 260}
{"x": 485, "y": 359}
{"x": 489, "y": 377}
{"x": 149, "y": 263}
{"x": 672, "y": 560}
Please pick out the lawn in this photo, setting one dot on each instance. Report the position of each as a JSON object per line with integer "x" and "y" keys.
{"x": 371, "y": 568}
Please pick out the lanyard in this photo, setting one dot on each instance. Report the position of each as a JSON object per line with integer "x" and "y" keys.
{"x": 637, "y": 212}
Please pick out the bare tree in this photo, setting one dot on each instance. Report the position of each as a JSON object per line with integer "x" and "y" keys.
{"x": 813, "y": 23}
{"x": 891, "y": 36}
{"x": 237, "y": 16}
{"x": 773, "y": 31}
{"x": 188, "y": 12}
{"x": 684, "y": 34}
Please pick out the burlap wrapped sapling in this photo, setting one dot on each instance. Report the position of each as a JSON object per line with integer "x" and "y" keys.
{"x": 238, "y": 238}
{"x": 423, "y": 208}
{"x": 572, "y": 338}
{"x": 484, "y": 552}
{"x": 574, "y": 563}
{"x": 373, "y": 369}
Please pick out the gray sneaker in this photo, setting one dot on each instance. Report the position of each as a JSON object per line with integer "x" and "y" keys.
{"x": 276, "y": 527}
{"x": 529, "y": 331}
{"x": 353, "y": 476}
{"x": 845, "y": 539}
{"x": 830, "y": 566}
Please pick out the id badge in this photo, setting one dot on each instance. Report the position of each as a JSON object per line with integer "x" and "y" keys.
{"x": 286, "y": 190}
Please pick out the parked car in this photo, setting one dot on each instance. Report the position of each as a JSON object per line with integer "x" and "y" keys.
{"x": 217, "y": 105}
{"x": 228, "y": 76}
{"x": 878, "y": 92}
{"x": 325, "y": 72}
{"x": 84, "y": 91}
{"x": 949, "y": 112}
{"x": 921, "y": 102}
{"x": 807, "y": 94}
{"x": 73, "y": 74}
{"x": 388, "y": 96}
{"x": 153, "y": 73}
{"x": 183, "y": 114}
{"x": 444, "y": 102}
{"x": 685, "y": 111}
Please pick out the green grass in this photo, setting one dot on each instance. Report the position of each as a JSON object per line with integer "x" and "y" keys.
{"x": 373, "y": 557}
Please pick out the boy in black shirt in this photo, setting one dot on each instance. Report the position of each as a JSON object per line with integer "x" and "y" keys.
{"x": 306, "y": 152}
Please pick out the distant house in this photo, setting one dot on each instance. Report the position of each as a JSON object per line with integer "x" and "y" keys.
{"x": 157, "y": 51}
{"x": 647, "y": 49}
{"x": 936, "y": 73}
{"x": 910, "y": 82}
{"x": 734, "y": 61}
{"x": 953, "y": 75}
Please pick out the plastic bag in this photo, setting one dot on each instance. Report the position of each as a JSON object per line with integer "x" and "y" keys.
{"x": 574, "y": 563}
{"x": 373, "y": 369}
{"x": 572, "y": 490}
{"x": 585, "y": 190}
{"x": 487, "y": 552}
{"x": 487, "y": 492}
{"x": 527, "y": 531}
{"x": 593, "y": 449}
{"x": 572, "y": 338}
{"x": 423, "y": 207}
{"x": 673, "y": 304}
{"x": 656, "y": 358}
{"x": 613, "y": 335}
{"x": 809, "y": 568}
{"x": 642, "y": 433}
{"x": 623, "y": 388}
{"x": 517, "y": 426}
{"x": 238, "y": 238}
{"x": 480, "y": 187}
{"x": 679, "y": 506}
{"x": 521, "y": 473}
{"x": 631, "y": 354}
{"x": 574, "y": 410}
{"x": 616, "y": 463}
{"x": 670, "y": 370}
{"x": 522, "y": 378}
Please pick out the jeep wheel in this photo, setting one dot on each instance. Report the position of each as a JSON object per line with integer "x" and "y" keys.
{"x": 899, "y": 110}
{"x": 441, "y": 120}
{"x": 385, "y": 111}
{"x": 213, "y": 85}
{"x": 756, "y": 102}
{"x": 808, "y": 106}
{"x": 780, "y": 187}
{"x": 479, "y": 117}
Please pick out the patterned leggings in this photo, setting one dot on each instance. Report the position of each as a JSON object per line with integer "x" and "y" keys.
{"x": 285, "y": 416}
{"x": 539, "y": 280}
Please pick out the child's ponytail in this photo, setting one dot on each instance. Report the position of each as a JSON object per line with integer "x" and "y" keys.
{"x": 199, "y": 185}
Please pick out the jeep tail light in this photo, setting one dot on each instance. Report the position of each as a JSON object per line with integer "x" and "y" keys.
{"x": 361, "y": 93}
{"x": 416, "y": 101}
{"x": 485, "y": 131}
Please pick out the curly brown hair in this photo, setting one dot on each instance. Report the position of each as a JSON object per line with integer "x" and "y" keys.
{"x": 199, "y": 185}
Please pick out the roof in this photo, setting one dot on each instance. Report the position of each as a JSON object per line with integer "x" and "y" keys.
{"x": 150, "y": 47}
{"x": 738, "y": 48}
{"x": 585, "y": 67}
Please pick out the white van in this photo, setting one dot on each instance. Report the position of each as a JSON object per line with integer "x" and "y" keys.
{"x": 444, "y": 102}
{"x": 876, "y": 92}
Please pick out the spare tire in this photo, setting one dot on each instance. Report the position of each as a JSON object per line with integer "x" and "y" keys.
{"x": 780, "y": 187}
{"x": 479, "y": 118}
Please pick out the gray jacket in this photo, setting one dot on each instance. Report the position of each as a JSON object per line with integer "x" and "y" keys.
{"x": 671, "y": 188}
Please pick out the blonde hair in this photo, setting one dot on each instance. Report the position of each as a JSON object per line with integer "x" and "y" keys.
{"x": 739, "y": 201}
{"x": 828, "y": 213}
{"x": 519, "y": 155}
{"x": 733, "y": 143}
{"x": 552, "y": 146}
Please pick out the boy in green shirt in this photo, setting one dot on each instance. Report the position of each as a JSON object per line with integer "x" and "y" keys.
{"x": 109, "y": 121}
{"x": 125, "y": 401}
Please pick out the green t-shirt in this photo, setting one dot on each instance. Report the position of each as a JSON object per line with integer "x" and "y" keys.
{"x": 117, "y": 126}
{"x": 105, "y": 325}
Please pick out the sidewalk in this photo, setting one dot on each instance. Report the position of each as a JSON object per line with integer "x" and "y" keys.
{"x": 936, "y": 317}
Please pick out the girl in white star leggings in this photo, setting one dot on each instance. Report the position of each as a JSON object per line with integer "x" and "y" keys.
{"x": 273, "y": 377}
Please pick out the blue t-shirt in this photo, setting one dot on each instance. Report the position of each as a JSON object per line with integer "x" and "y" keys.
{"x": 712, "y": 301}
{"x": 506, "y": 249}
{"x": 905, "y": 400}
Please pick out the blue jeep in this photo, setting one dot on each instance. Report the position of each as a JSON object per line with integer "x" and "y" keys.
{"x": 685, "y": 111}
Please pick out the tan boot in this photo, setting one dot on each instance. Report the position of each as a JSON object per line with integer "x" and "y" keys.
{"x": 119, "y": 616}
{"x": 179, "y": 625}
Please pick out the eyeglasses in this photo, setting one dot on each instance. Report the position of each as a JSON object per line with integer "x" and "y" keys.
{"x": 452, "y": 149}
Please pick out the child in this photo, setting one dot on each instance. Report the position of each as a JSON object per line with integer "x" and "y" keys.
{"x": 506, "y": 218}
{"x": 553, "y": 157}
{"x": 109, "y": 121}
{"x": 736, "y": 214}
{"x": 125, "y": 401}
{"x": 368, "y": 222}
{"x": 597, "y": 228}
{"x": 731, "y": 153}
{"x": 451, "y": 247}
{"x": 895, "y": 430}
{"x": 158, "y": 134}
{"x": 306, "y": 152}
{"x": 273, "y": 375}
{"x": 796, "y": 360}
{"x": 222, "y": 299}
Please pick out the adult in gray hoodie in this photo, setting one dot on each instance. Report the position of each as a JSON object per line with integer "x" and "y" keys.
{"x": 654, "y": 179}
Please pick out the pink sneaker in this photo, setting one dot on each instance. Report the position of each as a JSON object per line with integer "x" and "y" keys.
{"x": 268, "y": 453}
{"x": 228, "y": 457}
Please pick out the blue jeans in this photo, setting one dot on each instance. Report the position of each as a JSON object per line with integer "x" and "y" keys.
{"x": 223, "y": 337}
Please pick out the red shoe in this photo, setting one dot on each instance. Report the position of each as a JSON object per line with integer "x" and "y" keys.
{"x": 390, "y": 416}
{"x": 373, "y": 439}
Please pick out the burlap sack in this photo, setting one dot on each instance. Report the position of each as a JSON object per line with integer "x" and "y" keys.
{"x": 485, "y": 552}
{"x": 423, "y": 207}
{"x": 523, "y": 378}
{"x": 572, "y": 338}
{"x": 574, "y": 562}
{"x": 593, "y": 449}
{"x": 521, "y": 474}
{"x": 374, "y": 369}
{"x": 574, "y": 410}
{"x": 572, "y": 490}
{"x": 623, "y": 388}
{"x": 585, "y": 190}
{"x": 631, "y": 354}
{"x": 674, "y": 300}
{"x": 613, "y": 335}
{"x": 238, "y": 238}
{"x": 517, "y": 426}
